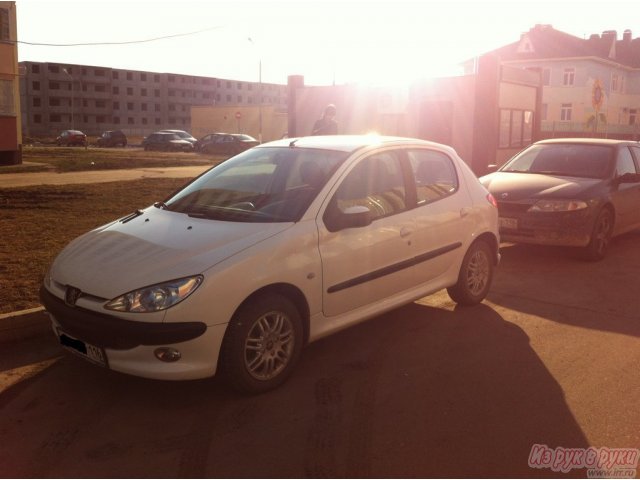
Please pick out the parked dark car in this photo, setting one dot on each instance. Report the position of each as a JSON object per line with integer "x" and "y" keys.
{"x": 569, "y": 192}
{"x": 69, "y": 138}
{"x": 166, "y": 142}
{"x": 183, "y": 135}
{"x": 225, "y": 143}
{"x": 112, "y": 138}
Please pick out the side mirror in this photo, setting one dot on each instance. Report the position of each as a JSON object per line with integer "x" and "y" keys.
{"x": 352, "y": 217}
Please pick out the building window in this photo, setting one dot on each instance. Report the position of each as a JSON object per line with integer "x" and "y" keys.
{"x": 37, "y": 118}
{"x": 129, "y": 76}
{"x": 156, "y": 78}
{"x": 569, "y": 77}
{"x": 228, "y": 98}
{"x": 172, "y": 107}
{"x": 172, "y": 78}
{"x": 143, "y": 92}
{"x": 100, "y": 88}
{"x": 114, "y": 75}
{"x": 116, "y": 105}
{"x": 614, "y": 82}
{"x": 565, "y": 112}
{"x": 4, "y": 24}
{"x": 143, "y": 107}
{"x": 156, "y": 93}
{"x": 116, "y": 120}
{"x": 172, "y": 93}
{"x": 99, "y": 72}
{"x": 546, "y": 76}
{"x": 157, "y": 107}
{"x": 35, "y": 85}
{"x": 55, "y": 118}
{"x": 54, "y": 102}
{"x": 144, "y": 120}
{"x": 239, "y": 86}
{"x": 116, "y": 90}
{"x": 129, "y": 91}
{"x": 545, "y": 111}
{"x": 217, "y": 97}
{"x": 54, "y": 86}
{"x": 143, "y": 77}
{"x": 101, "y": 104}
{"x": 84, "y": 102}
{"x": 36, "y": 69}
{"x": 633, "y": 116}
{"x": 157, "y": 122}
{"x": 100, "y": 119}
{"x": 239, "y": 98}
{"x": 54, "y": 69}
{"x": 130, "y": 106}
{"x": 36, "y": 102}
{"x": 84, "y": 71}
{"x": 130, "y": 120}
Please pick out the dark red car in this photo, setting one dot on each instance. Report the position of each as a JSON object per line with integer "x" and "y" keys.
{"x": 69, "y": 138}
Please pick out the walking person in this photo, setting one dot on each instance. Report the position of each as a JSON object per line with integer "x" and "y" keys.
{"x": 326, "y": 125}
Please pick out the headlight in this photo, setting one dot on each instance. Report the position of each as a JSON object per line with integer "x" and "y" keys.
{"x": 558, "y": 206}
{"x": 156, "y": 297}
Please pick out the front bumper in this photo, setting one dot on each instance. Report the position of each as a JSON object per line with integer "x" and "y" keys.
{"x": 129, "y": 346}
{"x": 569, "y": 229}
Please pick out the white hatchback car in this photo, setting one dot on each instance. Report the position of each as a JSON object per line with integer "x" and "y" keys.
{"x": 279, "y": 246}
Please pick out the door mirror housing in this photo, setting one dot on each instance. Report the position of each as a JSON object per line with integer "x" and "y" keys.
{"x": 356, "y": 216}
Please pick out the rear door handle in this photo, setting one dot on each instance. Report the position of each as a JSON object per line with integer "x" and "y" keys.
{"x": 404, "y": 232}
{"x": 464, "y": 212}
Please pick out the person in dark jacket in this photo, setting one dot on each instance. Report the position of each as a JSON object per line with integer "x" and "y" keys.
{"x": 326, "y": 125}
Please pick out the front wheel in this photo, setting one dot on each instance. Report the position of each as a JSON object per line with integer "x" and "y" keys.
{"x": 476, "y": 274}
{"x": 600, "y": 237}
{"x": 262, "y": 344}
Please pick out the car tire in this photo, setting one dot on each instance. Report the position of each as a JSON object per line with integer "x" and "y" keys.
{"x": 600, "y": 237}
{"x": 252, "y": 363}
{"x": 475, "y": 277}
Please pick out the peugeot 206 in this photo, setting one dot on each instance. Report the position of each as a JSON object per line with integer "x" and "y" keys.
{"x": 277, "y": 247}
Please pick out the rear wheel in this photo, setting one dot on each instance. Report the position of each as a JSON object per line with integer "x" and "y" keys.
{"x": 476, "y": 274}
{"x": 600, "y": 238}
{"x": 262, "y": 344}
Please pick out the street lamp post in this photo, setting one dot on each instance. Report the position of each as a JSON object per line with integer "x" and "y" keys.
{"x": 260, "y": 92}
{"x": 73, "y": 126}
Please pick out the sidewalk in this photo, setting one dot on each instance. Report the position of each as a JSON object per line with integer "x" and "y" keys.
{"x": 10, "y": 180}
{"x": 33, "y": 322}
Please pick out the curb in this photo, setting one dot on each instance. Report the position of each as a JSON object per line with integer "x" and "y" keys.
{"x": 24, "y": 324}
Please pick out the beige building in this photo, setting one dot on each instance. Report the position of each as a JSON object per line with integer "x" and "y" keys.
{"x": 10, "y": 128}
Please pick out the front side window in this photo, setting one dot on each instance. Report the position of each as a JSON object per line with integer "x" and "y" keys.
{"x": 624, "y": 162}
{"x": 434, "y": 173}
{"x": 376, "y": 183}
{"x": 260, "y": 185}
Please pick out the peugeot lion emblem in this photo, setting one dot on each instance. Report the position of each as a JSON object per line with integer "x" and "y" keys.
{"x": 71, "y": 296}
{"x": 504, "y": 196}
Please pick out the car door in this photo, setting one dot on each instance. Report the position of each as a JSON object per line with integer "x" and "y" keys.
{"x": 365, "y": 264}
{"x": 442, "y": 216}
{"x": 626, "y": 196}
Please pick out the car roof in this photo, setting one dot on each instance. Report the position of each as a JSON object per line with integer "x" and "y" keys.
{"x": 348, "y": 143}
{"x": 586, "y": 141}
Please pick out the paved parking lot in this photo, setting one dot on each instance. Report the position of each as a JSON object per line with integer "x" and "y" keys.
{"x": 428, "y": 390}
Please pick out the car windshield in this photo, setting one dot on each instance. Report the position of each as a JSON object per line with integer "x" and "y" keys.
{"x": 273, "y": 184}
{"x": 571, "y": 160}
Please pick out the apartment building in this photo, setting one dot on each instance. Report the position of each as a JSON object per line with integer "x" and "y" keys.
{"x": 10, "y": 134}
{"x": 57, "y": 96}
{"x": 591, "y": 86}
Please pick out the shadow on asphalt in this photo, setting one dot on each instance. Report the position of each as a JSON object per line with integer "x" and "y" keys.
{"x": 417, "y": 392}
{"x": 552, "y": 283}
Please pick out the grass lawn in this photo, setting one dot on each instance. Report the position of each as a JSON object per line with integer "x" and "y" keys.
{"x": 68, "y": 159}
{"x": 37, "y": 222}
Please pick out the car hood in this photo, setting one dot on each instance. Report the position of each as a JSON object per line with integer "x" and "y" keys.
{"x": 514, "y": 186}
{"x": 155, "y": 246}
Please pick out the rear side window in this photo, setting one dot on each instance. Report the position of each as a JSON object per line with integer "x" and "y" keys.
{"x": 434, "y": 173}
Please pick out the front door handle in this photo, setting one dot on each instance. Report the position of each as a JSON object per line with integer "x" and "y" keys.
{"x": 404, "y": 232}
{"x": 464, "y": 212}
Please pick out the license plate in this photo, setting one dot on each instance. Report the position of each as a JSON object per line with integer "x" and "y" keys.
{"x": 508, "y": 223}
{"x": 85, "y": 350}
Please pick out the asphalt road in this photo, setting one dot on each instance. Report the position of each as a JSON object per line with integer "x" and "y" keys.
{"x": 429, "y": 390}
